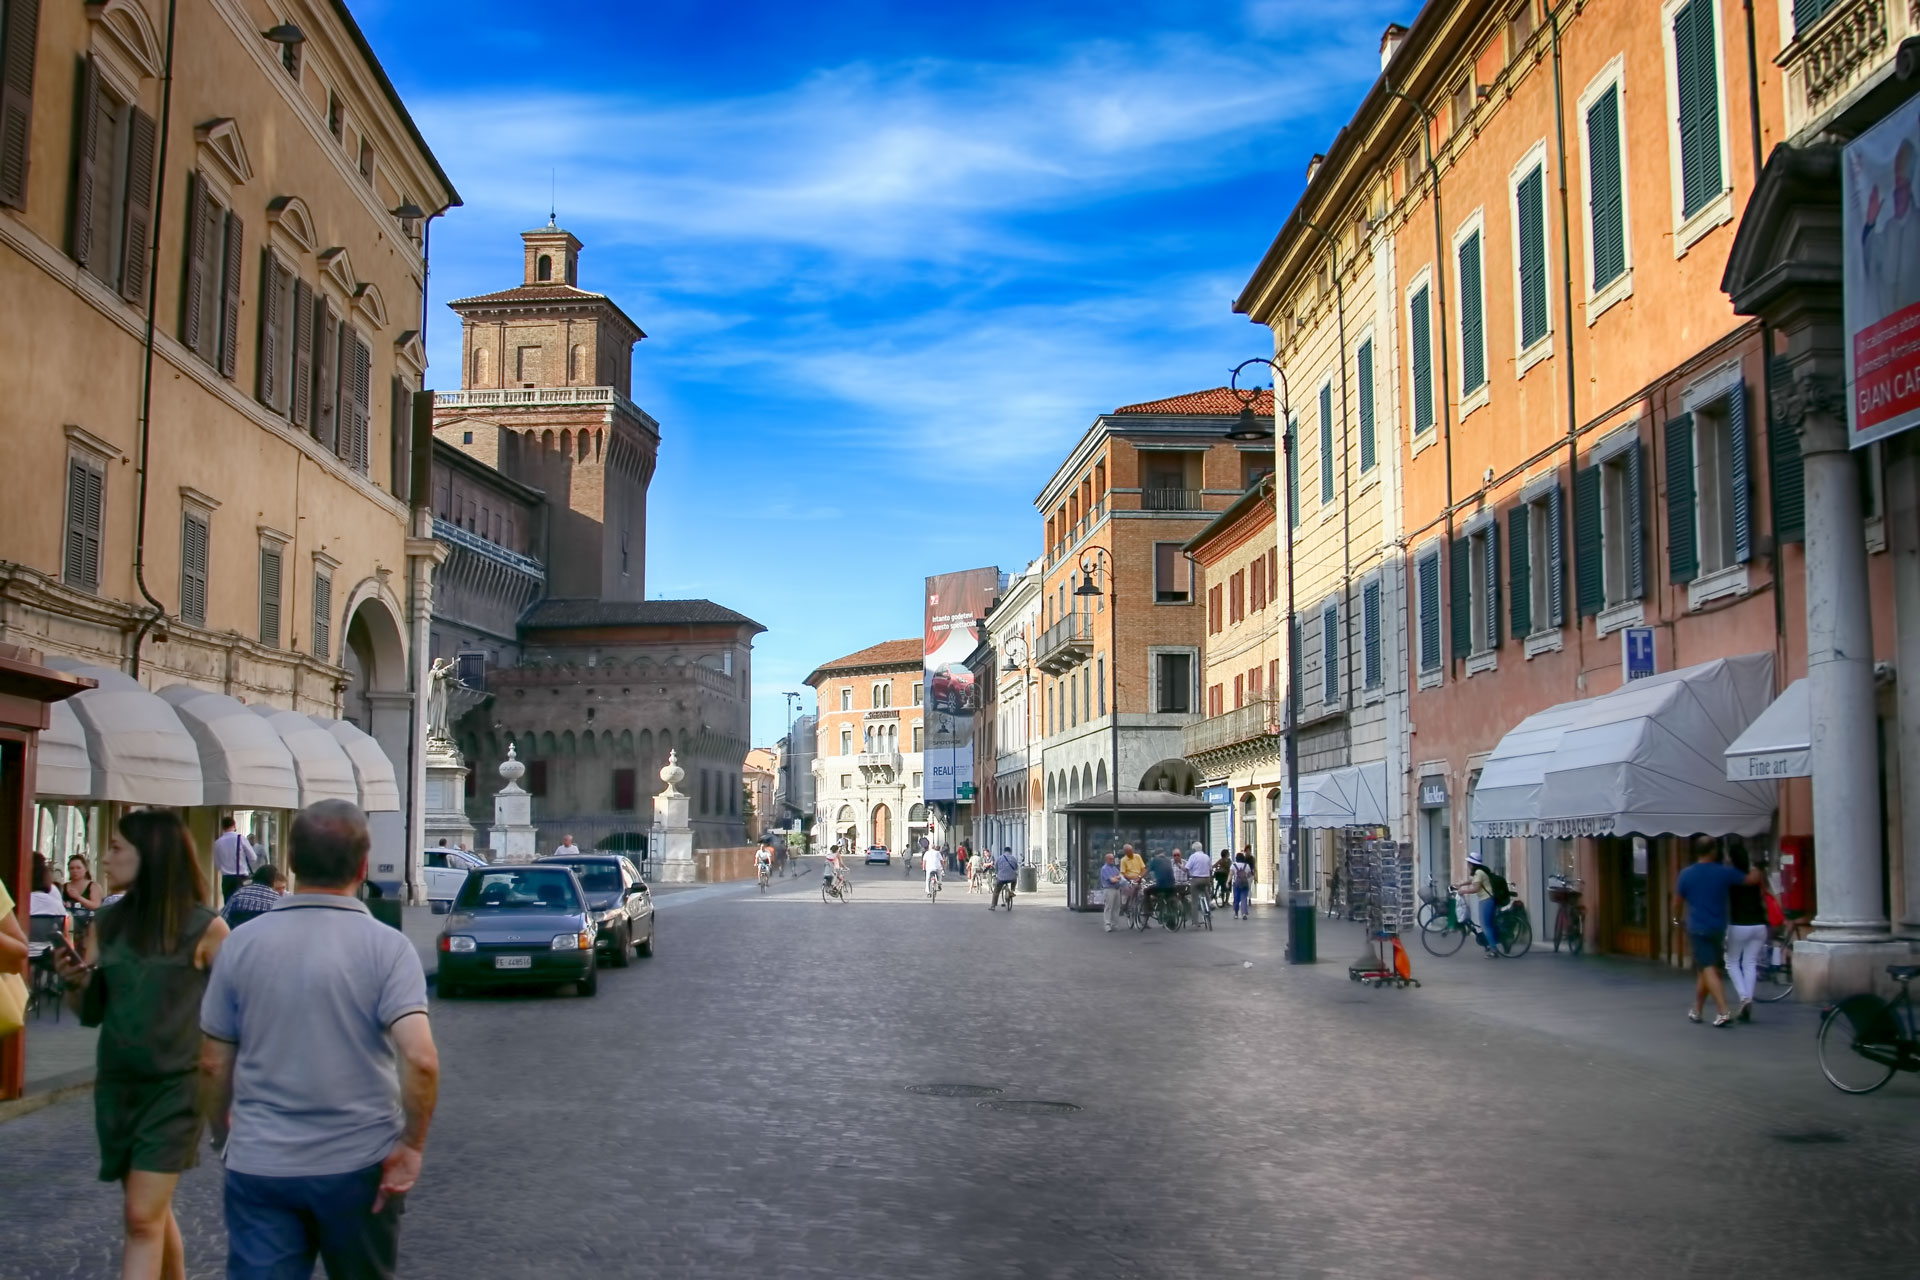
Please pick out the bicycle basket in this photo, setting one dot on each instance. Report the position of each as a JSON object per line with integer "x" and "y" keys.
{"x": 1564, "y": 888}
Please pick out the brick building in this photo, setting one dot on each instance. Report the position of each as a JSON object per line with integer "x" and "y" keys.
{"x": 868, "y": 772}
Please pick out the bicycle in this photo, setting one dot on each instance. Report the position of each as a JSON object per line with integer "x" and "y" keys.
{"x": 933, "y": 888}
{"x": 1773, "y": 974}
{"x": 1516, "y": 933}
{"x": 1153, "y": 906}
{"x": 1200, "y": 906}
{"x": 1864, "y": 1039}
{"x": 838, "y": 887}
{"x": 1570, "y": 921}
{"x": 1056, "y": 873}
{"x": 1433, "y": 909}
{"x": 763, "y": 877}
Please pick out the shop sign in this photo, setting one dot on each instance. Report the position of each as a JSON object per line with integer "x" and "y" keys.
{"x": 1218, "y": 797}
{"x": 1880, "y": 216}
{"x": 1636, "y": 653}
{"x": 1433, "y": 793}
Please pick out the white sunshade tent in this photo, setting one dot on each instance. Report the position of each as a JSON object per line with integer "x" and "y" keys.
{"x": 1507, "y": 800}
{"x": 321, "y": 763}
{"x": 1780, "y": 743}
{"x": 243, "y": 762}
{"x": 61, "y": 769}
{"x": 372, "y": 771}
{"x": 138, "y": 752}
{"x": 1353, "y": 796}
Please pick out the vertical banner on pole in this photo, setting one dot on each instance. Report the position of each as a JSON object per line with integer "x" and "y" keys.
{"x": 956, "y": 603}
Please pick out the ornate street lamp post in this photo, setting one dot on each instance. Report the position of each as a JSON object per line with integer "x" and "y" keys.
{"x": 1088, "y": 563}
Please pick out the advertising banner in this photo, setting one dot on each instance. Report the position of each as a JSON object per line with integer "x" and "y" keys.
{"x": 1881, "y": 257}
{"x": 956, "y": 602}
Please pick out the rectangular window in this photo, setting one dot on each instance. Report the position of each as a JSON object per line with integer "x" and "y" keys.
{"x": 366, "y": 159}
{"x": 210, "y": 300}
{"x": 336, "y": 117}
{"x": 19, "y": 39}
{"x": 1420, "y": 357}
{"x": 1173, "y": 682}
{"x": 1709, "y": 488}
{"x": 846, "y": 697}
{"x": 275, "y": 370}
{"x": 1808, "y": 12}
{"x": 1257, "y": 585}
{"x": 1473, "y": 303}
{"x": 1214, "y": 620}
{"x": 322, "y": 616}
{"x": 623, "y": 789}
{"x": 1530, "y": 233}
{"x": 1330, "y": 653}
{"x": 917, "y": 738}
{"x": 1326, "y": 444}
{"x": 1476, "y": 586}
{"x": 270, "y": 583}
{"x": 86, "y": 521}
{"x": 1255, "y": 466}
{"x": 1536, "y": 565}
{"x": 1253, "y": 683}
{"x": 1100, "y": 684}
{"x": 1519, "y": 29}
{"x": 1363, "y": 380}
{"x": 1370, "y": 635}
{"x": 1216, "y": 700}
{"x": 1609, "y": 529}
{"x": 1427, "y": 574}
{"x": 1463, "y": 102}
{"x": 1606, "y": 191}
{"x": 193, "y": 568}
{"x": 916, "y": 693}
{"x": 112, "y": 200}
{"x": 1697, "y": 88}
{"x": 846, "y": 742}
{"x": 1172, "y": 577}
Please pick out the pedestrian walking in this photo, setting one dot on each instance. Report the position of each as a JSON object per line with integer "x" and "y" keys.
{"x": 1243, "y": 887}
{"x": 1222, "y": 876}
{"x": 1746, "y": 930}
{"x": 233, "y": 858}
{"x": 1703, "y": 891}
{"x": 319, "y": 1067}
{"x": 146, "y": 966}
{"x": 1110, "y": 893}
{"x": 256, "y": 897}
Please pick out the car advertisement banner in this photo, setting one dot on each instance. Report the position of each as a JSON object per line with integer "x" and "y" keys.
{"x": 1881, "y": 257}
{"x": 956, "y": 602}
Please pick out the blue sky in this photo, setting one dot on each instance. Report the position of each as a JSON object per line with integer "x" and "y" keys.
{"x": 892, "y": 258}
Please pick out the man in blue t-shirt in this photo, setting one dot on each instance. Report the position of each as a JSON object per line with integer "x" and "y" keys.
{"x": 1702, "y": 890}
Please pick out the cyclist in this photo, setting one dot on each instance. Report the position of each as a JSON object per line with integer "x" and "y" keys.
{"x": 1162, "y": 873}
{"x": 762, "y": 863}
{"x": 1005, "y": 868}
{"x": 930, "y": 861}
{"x": 831, "y": 872}
{"x": 1493, "y": 891}
{"x": 1133, "y": 870}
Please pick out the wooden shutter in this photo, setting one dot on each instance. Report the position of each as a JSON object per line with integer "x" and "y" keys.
{"x": 1429, "y": 573}
{"x": 400, "y": 439}
{"x": 190, "y": 318}
{"x": 1421, "y": 323}
{"x": 1370, "y": 632}
{"x": 1636, "y": 521}
{"x": 17, "y": 47}
{"x": 230, "y": 272}
{"x": 1742, "y": 473}
{"x": 1784, "y": 469}
{"x": 1326, "y": 444}
{"x": 271, "y": 275}
{"x": 1556, "y": 559}
{"x": 323, "y": 617}
{"x": 1590, "y": 571}
{"x": 1473, "y": 330}
{"x": 1363, "y": 373}
{"x": 1520, "y": 571}
{"x": 326, "y": 373}
{"x": 1490, "y": 566}
{"x": 270, "y": 597}
{"x": 1808, "y": 12}
{"x": 1605, "y": 188}
{"x": 1460, "y": 601}
{"x": 300, "y": 393}
{"x": 193, "y": 570}
{"x": 136, "y": 246}
{"x": 356, "y": 393}
{"x": 86, "y": 161}
{"x": 1533, "y": 258}
{"x": 84, "y": 519}
{"x": 1683, "y": 557}
{"x": 1698, "y": 79}
{"x": 1330, "y": 653}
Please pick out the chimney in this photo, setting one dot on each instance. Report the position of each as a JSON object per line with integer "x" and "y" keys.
{"x": 1390, "y": 42}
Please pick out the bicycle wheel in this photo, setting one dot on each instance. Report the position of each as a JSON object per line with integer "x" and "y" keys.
{"x": 1428, "y": 917}
{"x": 1516, "y": 937}
{"x": 1859, "y": 1044}
{"x": 826, "y": 893}
{"x": 1774, "y": 982}
{"x": 1577, "y": 937}
{"x": 1446, "y": 940}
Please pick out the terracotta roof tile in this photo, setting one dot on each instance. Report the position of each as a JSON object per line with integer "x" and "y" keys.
{"x": 1216, "y": 400}
{"x": 888, "y": 653}
{"x": 562, "y": 614}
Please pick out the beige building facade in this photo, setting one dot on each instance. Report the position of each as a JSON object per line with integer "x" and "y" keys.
{"x": 869, "y": 784}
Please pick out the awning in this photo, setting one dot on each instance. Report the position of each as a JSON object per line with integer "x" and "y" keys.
{"x": 319, "y": 761}
{"x": 138, "y": 752}
{"x": 1777, "y": 745}
{"x": 243, "y": 762}
{"x": 372, "y": 771}
{"x": 1352, "y": 796}
{"x": 61, "y": 769}
{"x": 1646, "y": 759}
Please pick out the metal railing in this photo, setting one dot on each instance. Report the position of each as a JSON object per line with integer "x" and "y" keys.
{"x": 1170, "y": 500}
{"x": 1258, "y": 719}
{"x": 1065, "y": 644}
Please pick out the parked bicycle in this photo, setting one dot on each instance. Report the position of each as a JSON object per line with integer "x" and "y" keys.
{"x": 1455, "y": 925}
{"x": 1056, "y": 872}
{"x": 1773, "y": 974}
{"x": 1864, "y": 1039}
{"x": 1570, "y": 921}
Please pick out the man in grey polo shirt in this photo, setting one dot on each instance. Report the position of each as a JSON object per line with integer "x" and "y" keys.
{"x": 318, "y": 1069}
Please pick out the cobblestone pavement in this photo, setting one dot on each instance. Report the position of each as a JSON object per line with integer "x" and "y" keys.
{"x": 737, "y": 1106}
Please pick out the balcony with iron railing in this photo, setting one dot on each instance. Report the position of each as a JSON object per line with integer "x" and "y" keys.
{"x": 1258, "y": 719}
{"x": 1853, "y": 43}
{"x": 1065, "y": 645}
{"x": 1160, "y": 498}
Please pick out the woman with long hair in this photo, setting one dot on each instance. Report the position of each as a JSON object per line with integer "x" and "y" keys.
{"x": 150, "y": 951}
{"x": 1746, "y": 931}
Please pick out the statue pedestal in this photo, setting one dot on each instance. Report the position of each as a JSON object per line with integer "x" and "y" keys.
{"x": 512, "y": 838}
{"x": 671, "y": 842}
{"x": 446, "y": 813}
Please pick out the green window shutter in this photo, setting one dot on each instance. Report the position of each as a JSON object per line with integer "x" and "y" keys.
{"x": 1636, "y": 521}
{"x": 323, "y": 617}
{"x": 1330, "y": 653}
{"x": 86, "y": 163}
{"x": 1293, "y": 472}
{"x": 1491, "y": 568}
{"x": 1421, "y": 323}
{"x": 1605, "y": 189}
{"x": 1533, "y": 257}
{"x": 1363, "y": 373}
{"x": 270, "y": 576}
{"x": 1783, "y": 465}
{"x": 1698, "y": 76}
{"x": 1741, "y": 478}
{"x": 1473, "y": 329}
{"x": 1683, "y": 560}
{"x": 1556, "y": 558}
{"x": 1590, "y": 578}
{"x": 1460, "y": 602}
{"x": 1808, "y": 12}
{"x": 1326, "y": 444}
{"x": 1429, "y": 571}
{"x": 1370, "y": 633}
{"x": 1519, "y": 572}
{"x": 193, "y": 570}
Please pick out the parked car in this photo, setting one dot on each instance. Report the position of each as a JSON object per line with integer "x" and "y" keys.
{"x": 881, "y": 854}
{"x": 621, "y": 903}
{"x": 445, "y": 870}
{"x": 519, "y": 924}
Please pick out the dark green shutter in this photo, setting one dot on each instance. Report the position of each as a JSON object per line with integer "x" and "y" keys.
{"x": 1590, "y": 577}
{"x": 1460, "y": 603}
{"x": 1519, "y": 572}
{"x": 1330, "y": 653}
{"x": 1430, "y": 611}
{"x": 1370, "y": 632}
{"x": 18, "y": 44}
{"x": 1363, "y": 371}
{"x": 1742, "y": 477}
{"x": 1605, "y": 184}
{"x": 1326, "y": 444}
{"x": 1683, "y": 559}
{"x": 1421, "y": 323}
{"x": 1473, "y": 335}
{"x": 1808, "y": 12}
{"x": 1698, "y": 76}
{"x": 1784, "y": 480}
{"x": 1293, "y": 472}
{"x": 1491, "y": 568}
{"x": 1636, "y": 521}
{"x": 1556, "y": 559}
{"x": 1533, "y": 258}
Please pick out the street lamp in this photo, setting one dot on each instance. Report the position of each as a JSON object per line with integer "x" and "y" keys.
{"x": 1019, "y": 663}
{"x": 793, "y": 700}
{"x": 1087, "y": 588}
{"x": 1249, "y": 428}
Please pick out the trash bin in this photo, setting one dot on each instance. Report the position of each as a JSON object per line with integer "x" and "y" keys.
{"x": 385, "y": 910}
{"x": 1029, "y": 879}
{"x": 1302, "y": 920}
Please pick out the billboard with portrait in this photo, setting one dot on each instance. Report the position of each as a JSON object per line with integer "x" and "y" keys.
{"x": 1881, "y": 217}
{"x": 956, "y": 603}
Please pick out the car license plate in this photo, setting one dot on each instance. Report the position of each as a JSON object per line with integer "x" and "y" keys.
{"x": 513, "y": 962}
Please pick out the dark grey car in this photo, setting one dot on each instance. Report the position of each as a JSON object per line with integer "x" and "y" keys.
{"x": 519, "y": 924}
{"x": 621, "y": 903}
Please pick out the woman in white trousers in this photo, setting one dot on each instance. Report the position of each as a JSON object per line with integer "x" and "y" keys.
{"x": 1746, "y": 933}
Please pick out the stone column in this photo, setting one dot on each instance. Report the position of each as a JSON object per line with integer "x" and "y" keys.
{"x": 1903, "y": 544}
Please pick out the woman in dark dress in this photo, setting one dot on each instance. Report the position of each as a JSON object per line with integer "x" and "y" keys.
{"x": 151, "y": 951}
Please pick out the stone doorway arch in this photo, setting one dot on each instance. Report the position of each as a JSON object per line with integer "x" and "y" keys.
{"x": 882, "y": 826}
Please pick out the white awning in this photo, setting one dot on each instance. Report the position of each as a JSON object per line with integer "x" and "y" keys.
{"x": 138, "y": 752}
{"x": 1777, "y": 745}
{"x": 1353, "y": 796}
{"x": 61, "y": 769}
{"x": 321, "y": 763}
{"x": 1646, "y": 759}
{"x": 243, "y": 762}
{"x": 372, "y": 771}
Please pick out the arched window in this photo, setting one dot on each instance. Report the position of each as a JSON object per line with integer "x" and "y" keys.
{"x": 577, "y": 362}
{"x": 543, "y": 268}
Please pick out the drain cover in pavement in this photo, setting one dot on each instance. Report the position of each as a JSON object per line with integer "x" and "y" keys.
{"x": 1811, "y": 1138}
{"x": 954, "y": 1090}
{"x": 1030, "y": 1106}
